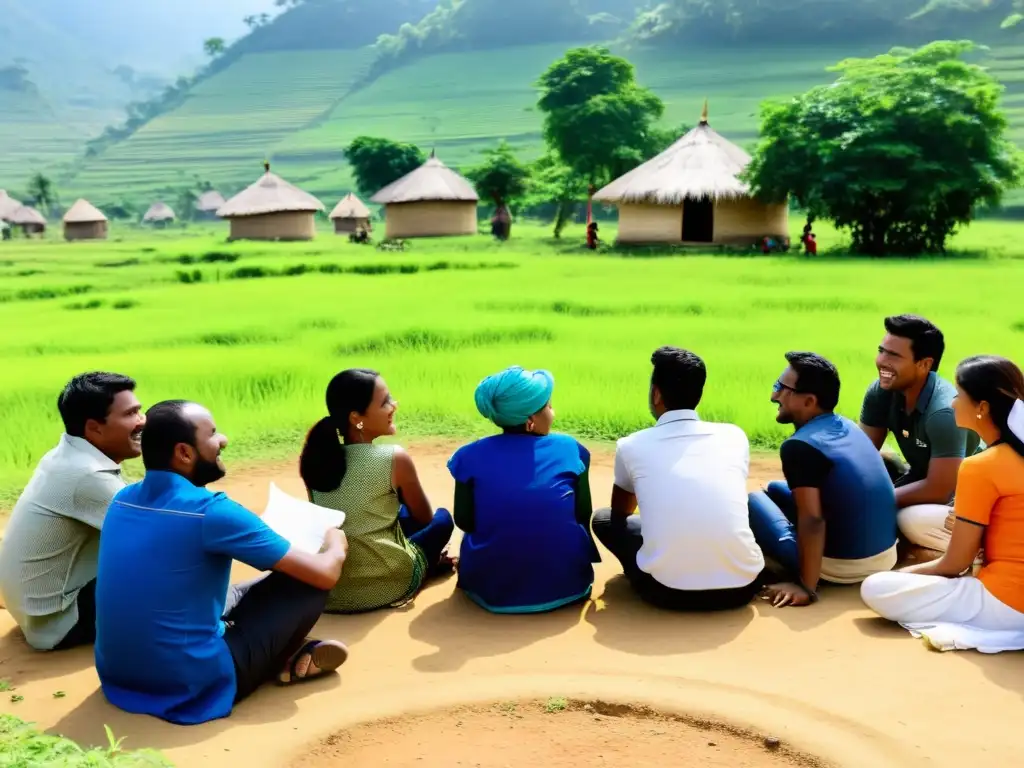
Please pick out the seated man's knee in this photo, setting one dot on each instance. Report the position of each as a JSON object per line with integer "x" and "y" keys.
{"x": 778, "y": 490}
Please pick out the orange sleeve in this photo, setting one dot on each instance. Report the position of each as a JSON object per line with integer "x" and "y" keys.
{"x": 976, "y": 492}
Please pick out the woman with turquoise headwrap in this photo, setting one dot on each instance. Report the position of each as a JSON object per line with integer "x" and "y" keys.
{"x": 522, "y": 498}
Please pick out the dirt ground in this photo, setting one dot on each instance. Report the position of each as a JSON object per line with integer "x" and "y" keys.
{"x": 542, "y": 733}
{"x": 830, "y": 680}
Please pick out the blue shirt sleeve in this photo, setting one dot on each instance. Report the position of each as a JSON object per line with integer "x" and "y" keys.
{"x": 584, "y": 457}
{"x": 231, "y": 529}
{"x": 459, "y": 464}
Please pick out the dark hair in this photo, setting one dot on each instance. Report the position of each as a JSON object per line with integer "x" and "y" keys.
{"x": 322, "y": 463}
{"x": 926, "y": 340}
{"x": 1000, "y": 383}
{"x": 166, "y": 427}
{"x": 816, "y": 376}
{"x": 89, "y": 396}
{"x": 680, "y": 376}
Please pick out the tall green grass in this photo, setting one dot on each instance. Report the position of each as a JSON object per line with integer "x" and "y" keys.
{"x": 21, "y": 746}
{"x": 260, "y": 352}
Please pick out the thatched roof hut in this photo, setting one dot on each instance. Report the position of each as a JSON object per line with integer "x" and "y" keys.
{"x": 351, "y": 214}
{"x": 271, "y": 209}
{"x": 692, "y": 193}
{"x": 29, "y": 219}
{"x": 431, "y": 201}
{"x": 208, "y": 204}
{"x": 159, "y": 213}
{"x": 8, "y": 205}
{"x": 84, "y": 221}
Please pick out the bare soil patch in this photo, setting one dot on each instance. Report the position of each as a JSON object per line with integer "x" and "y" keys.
{"x": 555, "y": 732}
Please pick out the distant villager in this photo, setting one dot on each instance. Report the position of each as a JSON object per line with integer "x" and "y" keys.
{"x": 208, "y": 204}
{"x": 271, "y": 209}
{"x": 351, "y": 215}
{"x": 159, "y": 214}
{"x": 692, "y": 193}
{"x": 31, "y": 221}
{"x": 501, "y": 222}
{"x": 84, "y": 221}
{"x": 431, "y": 201}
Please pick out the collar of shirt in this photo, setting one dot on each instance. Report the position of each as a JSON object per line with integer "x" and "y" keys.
{"x": 83, "y": 447}
{"x": 683, "y": 415}
{"x": 924, "y": 399}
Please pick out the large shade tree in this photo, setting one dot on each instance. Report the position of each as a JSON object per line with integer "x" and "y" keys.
{"x": 900, "y": 150}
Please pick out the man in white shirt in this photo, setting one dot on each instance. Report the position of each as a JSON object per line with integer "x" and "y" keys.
{"x": 691, "y": 547}
{"x": 50, "y": 548}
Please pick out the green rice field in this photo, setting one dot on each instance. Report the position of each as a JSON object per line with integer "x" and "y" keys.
{"x": 300, "y": 109}
{"x": 256, "y": 330}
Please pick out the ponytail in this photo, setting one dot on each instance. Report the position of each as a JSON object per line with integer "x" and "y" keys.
{"x": 322, "y": 463}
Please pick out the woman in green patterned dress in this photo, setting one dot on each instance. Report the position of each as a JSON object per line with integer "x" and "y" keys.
{"x": 396, "y": 540}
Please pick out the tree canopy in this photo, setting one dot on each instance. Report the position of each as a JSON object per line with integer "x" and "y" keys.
{"x": 597, "y": 119}
{"x": 500, "y": 176}
{"x": 900, "y": 150}
{"x": 377, "y": 162}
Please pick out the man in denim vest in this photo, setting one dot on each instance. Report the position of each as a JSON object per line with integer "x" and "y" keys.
{"x": 834, "y": 519}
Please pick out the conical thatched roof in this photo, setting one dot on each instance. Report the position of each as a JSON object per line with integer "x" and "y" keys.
{"x": 83, "y": 212}
{"x": 209, "y": 202}
{"x": 350, "y": 207}
{"x": 431, "y": 181}
{"x": 271, "y": 194}
{"x": 26, "y": 215}
{"x": 159, "y": 211}
{"x": 700, "y": 164}
{"x": 8, "y": 204}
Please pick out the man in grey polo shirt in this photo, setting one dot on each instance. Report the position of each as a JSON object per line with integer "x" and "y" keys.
{"x": 912, "y": 402}
{"x": 48, "y": 555}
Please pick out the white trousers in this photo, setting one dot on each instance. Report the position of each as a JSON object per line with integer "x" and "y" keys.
{"x": 925, "y": 525}
{"x": 957, "y": 613}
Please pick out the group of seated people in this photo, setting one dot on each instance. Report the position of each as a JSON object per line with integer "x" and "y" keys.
{"x": 143, "y": 570}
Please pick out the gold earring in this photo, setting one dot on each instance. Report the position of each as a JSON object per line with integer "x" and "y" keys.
{"x": 359, "y": 426}
{"x": 979, "y": 417}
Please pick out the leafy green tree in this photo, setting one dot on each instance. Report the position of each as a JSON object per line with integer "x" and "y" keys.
{"x": 501, "y": 176}
{"x": 43, "y": 193}
{"x": 597, "y": 119}
{"x": 900, "y": 150}
{"x": 377, "y": 162}
{"x": 214, "y": 47}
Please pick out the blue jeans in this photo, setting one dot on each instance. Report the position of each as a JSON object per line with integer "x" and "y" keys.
{"x": 432, "y": 538}
{"x": 773, "y": 521}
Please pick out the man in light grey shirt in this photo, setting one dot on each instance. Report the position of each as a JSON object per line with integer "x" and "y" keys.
{"x": 50, "y": 547}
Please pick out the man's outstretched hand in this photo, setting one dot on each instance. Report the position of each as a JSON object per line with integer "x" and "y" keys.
{"x": 781, "y": 595}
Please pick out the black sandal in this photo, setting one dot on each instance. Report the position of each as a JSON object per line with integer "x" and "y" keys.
{"x": 325, "y": 655}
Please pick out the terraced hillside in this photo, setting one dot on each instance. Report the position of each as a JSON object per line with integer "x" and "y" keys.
{"x": 299, "y": 109}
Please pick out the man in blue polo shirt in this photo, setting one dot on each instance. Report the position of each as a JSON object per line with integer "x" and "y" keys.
{"x": 171, "y": 641}
{"x": 834, "y": 519}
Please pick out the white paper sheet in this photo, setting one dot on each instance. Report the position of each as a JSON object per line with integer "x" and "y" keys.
{"x": 299, "y": 521}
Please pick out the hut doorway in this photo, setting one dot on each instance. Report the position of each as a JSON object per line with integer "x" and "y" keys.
{"x": 698, "y": 220}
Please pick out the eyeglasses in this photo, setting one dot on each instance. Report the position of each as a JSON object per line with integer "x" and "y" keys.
{"x": 779, "y": 386}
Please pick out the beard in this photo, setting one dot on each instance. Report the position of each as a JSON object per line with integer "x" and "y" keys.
{"x": 206, "y": 472}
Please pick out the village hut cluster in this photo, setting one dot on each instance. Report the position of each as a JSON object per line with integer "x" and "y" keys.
{"x": 692, "y": 193}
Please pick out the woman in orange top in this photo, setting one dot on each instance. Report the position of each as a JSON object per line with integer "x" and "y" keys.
{"x": 936, "y": 600}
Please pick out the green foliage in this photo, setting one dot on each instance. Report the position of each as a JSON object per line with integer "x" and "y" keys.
{"x": 22, "y": 745}
{"x": 501, "y": 176}
{"x": 42, "y": 192}
{"x": 900, "y": 150}
{"x": 214, "y": 47}
{"x": 596, "y": 117}
{"x": 377, "y": 162}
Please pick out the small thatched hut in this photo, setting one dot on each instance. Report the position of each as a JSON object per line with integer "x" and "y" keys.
{"x": 271, "y": 209}
{"x": 8, "y": 205}
{"x": 208, "y": 204}
{"x": 84, "y": 221}
{"x": 350, "y": 214}
{"x": 431, "y": 201}
{"x": 159, "y": 214}
{"x": 691, "y": 193}
{"x": 31, "y": 221}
